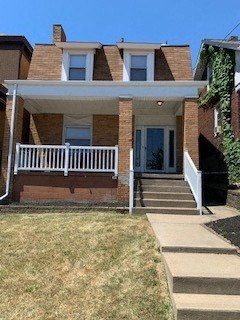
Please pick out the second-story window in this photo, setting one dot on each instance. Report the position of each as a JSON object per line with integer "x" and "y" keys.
{"x": 138, "y": 65}
{"x": 77, "y": 67}
{"x": 138, "y": 68}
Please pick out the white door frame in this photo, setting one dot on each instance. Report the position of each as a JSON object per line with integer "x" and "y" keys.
{"x": 142, "y": 167}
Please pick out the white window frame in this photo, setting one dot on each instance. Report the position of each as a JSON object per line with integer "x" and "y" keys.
{"x": 127, "y": 63}
{"x": 66, "y": 63}
{"x": 217, "y": 117}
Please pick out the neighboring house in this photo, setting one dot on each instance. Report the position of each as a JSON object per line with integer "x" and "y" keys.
{"x": 15, "y": 57}
{"x": 212, "y": 160}
{"x": 89, "y": 105}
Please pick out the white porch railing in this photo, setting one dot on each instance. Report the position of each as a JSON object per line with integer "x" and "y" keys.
{"x": 131, "y": 182}
{"x": 194, "y": 178}
{"x": 66, "y": 158}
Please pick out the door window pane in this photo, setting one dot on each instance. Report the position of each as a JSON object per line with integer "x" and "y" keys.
{"x": 171, "y": 149}
{"x": 155, "y": 149}
{"x": 78, "y": 136}
{"x": 138, "y": 149}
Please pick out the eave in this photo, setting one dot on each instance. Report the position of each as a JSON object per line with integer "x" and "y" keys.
{"x": 77, "y": 90}
{"x": 78, "y": 45}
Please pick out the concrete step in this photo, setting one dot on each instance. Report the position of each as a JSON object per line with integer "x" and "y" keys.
{"x": 166, "y": 210}
{"x": 181, "y": 237}
{"x": 163, "y": 195}
{"x": 168, "y": 176}
{"x": 157, "y": 188}
{"x": 164, "y": 203}
{"x": 162, "y": 182}
{"x": 207, "y": 307}
{"x": 203, "y": 273}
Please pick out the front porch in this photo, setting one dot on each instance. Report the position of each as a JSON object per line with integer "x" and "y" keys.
{"x": 49, "y": 166}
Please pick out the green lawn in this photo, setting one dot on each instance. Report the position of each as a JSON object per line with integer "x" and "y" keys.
{"x": 80, "y": 266}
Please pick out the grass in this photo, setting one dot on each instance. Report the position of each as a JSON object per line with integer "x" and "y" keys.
{"x": 81, "y": 266}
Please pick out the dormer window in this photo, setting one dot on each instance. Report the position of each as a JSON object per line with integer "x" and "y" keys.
{"x": 138, "y": 67}
{"x": 77, "y": 67}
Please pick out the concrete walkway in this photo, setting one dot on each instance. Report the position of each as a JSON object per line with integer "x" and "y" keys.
{"x": 203, "y": 269}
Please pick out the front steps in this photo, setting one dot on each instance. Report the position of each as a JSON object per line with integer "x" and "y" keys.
{"x": 166, "y": 194}
{"x": 204, "y": 286}
{"x": 203, "y": 270}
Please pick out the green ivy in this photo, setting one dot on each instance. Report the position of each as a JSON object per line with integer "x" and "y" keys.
{"x": 222, "y": 62}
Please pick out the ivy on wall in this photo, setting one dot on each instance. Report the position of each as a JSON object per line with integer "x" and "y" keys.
{"x": 222, "y": 62}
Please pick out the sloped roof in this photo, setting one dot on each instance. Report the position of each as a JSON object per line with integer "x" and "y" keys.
{"x": 230, "y": 44}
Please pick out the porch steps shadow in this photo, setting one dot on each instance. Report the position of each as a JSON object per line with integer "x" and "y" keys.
{"x": 166, "y": 194}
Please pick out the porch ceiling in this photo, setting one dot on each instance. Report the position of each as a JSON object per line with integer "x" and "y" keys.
{"x": 140, "y": 107}
{"x": 101, "y": 97}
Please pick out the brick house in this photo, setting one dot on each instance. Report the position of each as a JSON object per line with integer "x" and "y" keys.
{"x": 89, "y": 105}
{"x": 212, "y": 161}
{"x": 15, "y": 57}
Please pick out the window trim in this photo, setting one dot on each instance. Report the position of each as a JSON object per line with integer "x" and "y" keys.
{"x": 127, "y": 63}
{"x": 66, "y": 63}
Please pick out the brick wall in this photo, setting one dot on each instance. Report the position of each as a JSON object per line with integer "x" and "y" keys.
{"x": 18, "y": 128}
{"x": 46, "y": 63}
{"x": 173, "y": 63}
{"x": 77, "y": 187}
{"x": 9, "y": 64}
{"x": 105, "y": 130}
{"x": 125, "y": 144}
{"x": 58, "y": 33}
{"x": 2, "y": 121}
{"x": 179, "y": 143}
{"x": 108, "y": 64}
{"x": 24, "y": 67}
{"x": 191, "y": 131}
{"x": 235, "y": 113}
{"x": 46, "y": 128}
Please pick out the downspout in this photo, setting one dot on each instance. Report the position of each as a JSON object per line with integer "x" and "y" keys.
{"x": 10, "y": 144}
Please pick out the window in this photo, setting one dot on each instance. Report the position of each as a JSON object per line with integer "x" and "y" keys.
{"x": 209, "y": 73}
{"x": 77, "y": 67}
{"x": 78, "y": 136}
{"x": 138, "y": 65}
{"x": 217, "y": 121}
{"x": 138, "y": 70}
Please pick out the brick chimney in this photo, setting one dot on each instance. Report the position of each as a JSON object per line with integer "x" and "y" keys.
{"x": 233, "y": 38}
{"x": 58, "y": 33}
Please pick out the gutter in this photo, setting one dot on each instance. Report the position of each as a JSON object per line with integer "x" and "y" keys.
{"x": 10, "y": 144}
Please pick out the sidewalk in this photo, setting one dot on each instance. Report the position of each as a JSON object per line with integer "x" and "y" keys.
{"x": 202, "y": 268}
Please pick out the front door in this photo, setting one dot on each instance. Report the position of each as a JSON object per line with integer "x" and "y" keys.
{"x": 155, "y": 149}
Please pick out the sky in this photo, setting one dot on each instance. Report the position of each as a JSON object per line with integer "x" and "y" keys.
{"x": 105, "y": 21}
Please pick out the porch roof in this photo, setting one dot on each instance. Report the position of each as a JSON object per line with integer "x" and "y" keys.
{"x": 95, "y": 90}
